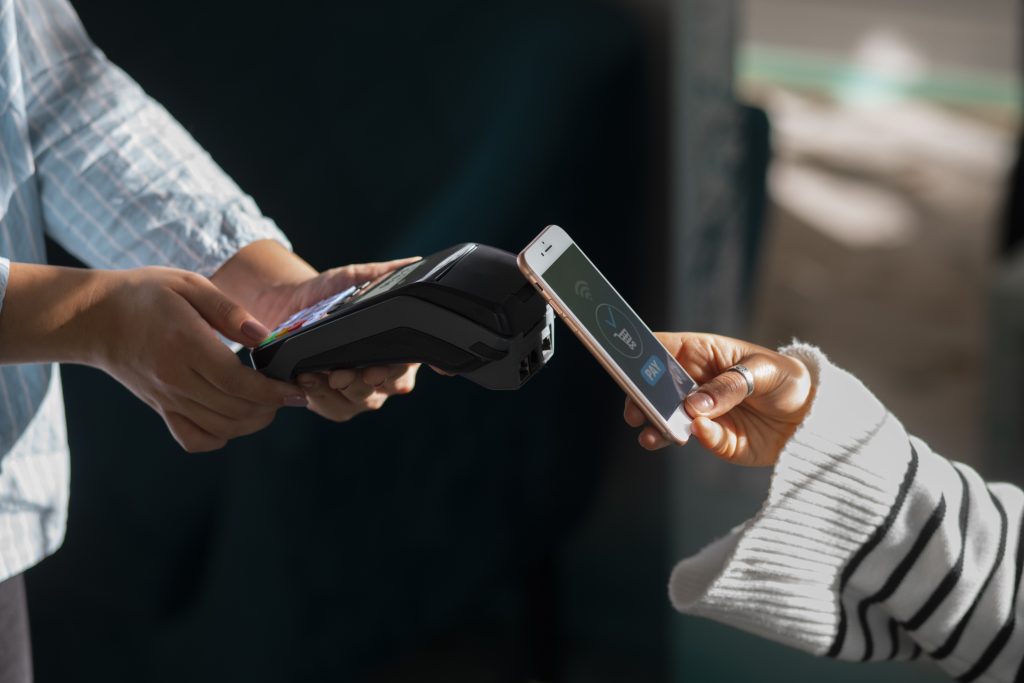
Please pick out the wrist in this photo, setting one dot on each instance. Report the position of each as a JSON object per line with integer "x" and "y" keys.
{"x": 48, "y": 312}
{"x": 94, "y": 318}
{"x": 260, "y": 276}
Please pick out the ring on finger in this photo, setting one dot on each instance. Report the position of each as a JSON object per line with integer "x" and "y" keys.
{"x": 746, "y": 374}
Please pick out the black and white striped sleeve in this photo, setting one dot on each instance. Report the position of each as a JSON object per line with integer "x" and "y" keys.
{"x": 871, "y": 547}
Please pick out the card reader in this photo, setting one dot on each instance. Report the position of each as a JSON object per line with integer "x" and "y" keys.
{"x": 466, "y": 310}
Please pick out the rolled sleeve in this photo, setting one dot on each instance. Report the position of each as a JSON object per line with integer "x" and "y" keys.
{"x": 122, "y": 183}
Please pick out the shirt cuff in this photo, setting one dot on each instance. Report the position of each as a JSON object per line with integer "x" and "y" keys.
{"x": 835, "y": 481}
{"x": 5, "y": 271}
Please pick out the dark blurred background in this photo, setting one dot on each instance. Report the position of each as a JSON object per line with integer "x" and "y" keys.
{"x": 461, "y": 535}
{"x": 429, "y": 541}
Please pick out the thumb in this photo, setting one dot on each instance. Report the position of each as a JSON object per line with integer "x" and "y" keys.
{"x": 224, "y": 314}
{"x": 727, "y": 390}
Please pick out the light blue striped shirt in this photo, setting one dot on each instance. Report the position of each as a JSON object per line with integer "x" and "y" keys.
{"x": 91, "y": 161}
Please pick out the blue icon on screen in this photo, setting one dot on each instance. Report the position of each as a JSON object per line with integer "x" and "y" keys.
{"x": 653, "y": 369}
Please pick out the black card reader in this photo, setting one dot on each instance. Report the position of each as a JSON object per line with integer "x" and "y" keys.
{"x": 466, "y": 310}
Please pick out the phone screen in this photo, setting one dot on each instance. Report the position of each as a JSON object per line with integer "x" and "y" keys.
{"x": 627, "y": 340}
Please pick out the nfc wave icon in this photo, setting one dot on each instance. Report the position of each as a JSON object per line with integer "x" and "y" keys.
{"x": 582, "y": 288}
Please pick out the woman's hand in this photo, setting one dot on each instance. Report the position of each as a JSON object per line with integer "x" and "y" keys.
{"x": 150, "y": 329}
{"x": 342, "y": 394}
{"x": 737, "y": 428}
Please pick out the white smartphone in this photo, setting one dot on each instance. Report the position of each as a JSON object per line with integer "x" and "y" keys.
{"x": 609, "y": 327}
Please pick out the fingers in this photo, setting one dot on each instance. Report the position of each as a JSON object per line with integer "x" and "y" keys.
{"x": 722, "y": 440}
{"x": 714, "y": 436}
{"x": 728, "y": 389}
{"x": 338, "y": 279}
{"x": 360, "y": 389}
{"x": 224, "y": 427}
{"x": 376, "y": 376}
{"x": 190, "y": 436}
{"x": 393, "y": 379}
{"x": 357, "y": 384}
{"x": 237, "y": 407}
{"x": 650, "y": 438}
{"x": 339, "y": 405}
{"x": 342, "y": 394}
{"x": 632, "y": 414}
{"x": 744, "y": 430}
{"x": 361, "y": 272}
{"x": 704, "y": 356}
{"x": 340, "y": 380}
{"x": 203, "y": 418}
{"x": 335, "y": 280}
{"x": 223, "y": 313}
{"x": 230, "y": 377}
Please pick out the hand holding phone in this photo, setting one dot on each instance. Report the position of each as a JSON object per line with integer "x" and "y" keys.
{"x": 738, "y": 426}
{"x": 610, "y": 329}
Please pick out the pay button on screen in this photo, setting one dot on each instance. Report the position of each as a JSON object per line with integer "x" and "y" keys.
{"x": 653, "y": 369}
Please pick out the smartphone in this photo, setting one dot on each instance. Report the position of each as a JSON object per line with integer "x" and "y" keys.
{"x": 609, "y": 327}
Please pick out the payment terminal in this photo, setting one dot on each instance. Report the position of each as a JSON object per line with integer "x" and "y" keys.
{"x": 466, "y": 310}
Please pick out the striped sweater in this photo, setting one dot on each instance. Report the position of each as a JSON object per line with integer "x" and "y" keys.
{"x": 870, "y": 546}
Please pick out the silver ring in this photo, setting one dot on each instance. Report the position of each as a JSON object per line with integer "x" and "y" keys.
{"x": 747, "y": 375}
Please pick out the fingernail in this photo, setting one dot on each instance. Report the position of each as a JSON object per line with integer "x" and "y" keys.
{"x": 701, "y": 402}
{"x": 253, "y": 329}
{"x": 296, "y": 401}
{"x": 307, "y": 382}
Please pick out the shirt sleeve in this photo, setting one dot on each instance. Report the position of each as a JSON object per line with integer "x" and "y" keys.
{"x": 870, "y": 546}
{"x": 122, "y": 183}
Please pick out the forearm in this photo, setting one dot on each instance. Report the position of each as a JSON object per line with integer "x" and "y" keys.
{"x": 253, "y": 275}
{"x": 45, "y": 312}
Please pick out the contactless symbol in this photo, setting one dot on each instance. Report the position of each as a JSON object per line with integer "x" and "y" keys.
{"x": 653, "y": 369}
{"x": 619, "y": 331}
{"x": 680, "y": 378}
{"x": 583, "y": 290}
